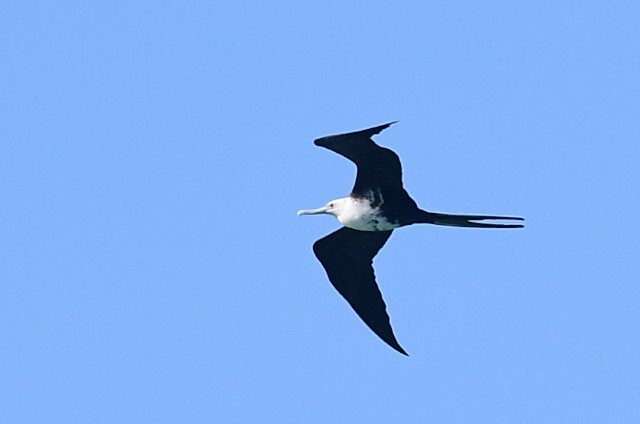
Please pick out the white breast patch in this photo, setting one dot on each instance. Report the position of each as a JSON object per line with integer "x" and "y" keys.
{"x": 359, "y": 215}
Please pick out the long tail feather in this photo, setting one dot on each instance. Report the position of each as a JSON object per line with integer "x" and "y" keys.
{"x": 468, "y": 220}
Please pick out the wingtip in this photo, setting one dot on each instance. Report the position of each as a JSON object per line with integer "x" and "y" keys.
{"x": 378, "y": 129}
{"x": 396, "y": 346}
{"x": 367, "y": 132}
{"x": 391, "y": 341}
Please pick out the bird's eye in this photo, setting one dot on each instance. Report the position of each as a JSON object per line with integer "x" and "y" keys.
{"x": 330, "y": 205}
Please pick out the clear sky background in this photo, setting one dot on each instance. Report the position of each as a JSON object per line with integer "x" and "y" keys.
{"x": 153, "y": 156}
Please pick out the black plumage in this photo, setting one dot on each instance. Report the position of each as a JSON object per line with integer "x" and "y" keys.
{"x": 347, "y": 254}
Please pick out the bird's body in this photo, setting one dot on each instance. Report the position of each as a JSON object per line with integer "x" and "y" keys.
{"x": 361, "y": 213}
{"x": 377, "y": 205}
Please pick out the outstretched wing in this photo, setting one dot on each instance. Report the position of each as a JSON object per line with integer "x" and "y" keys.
{"x": 378, "y": 167}
{"x": 347, "y": 257}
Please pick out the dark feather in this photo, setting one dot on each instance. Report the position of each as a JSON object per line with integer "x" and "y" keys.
{"x": 378, "y": 167}
{"x": 347, "y": 257}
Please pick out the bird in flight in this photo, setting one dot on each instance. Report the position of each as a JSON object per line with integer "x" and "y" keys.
{"x": 377, "y": 205}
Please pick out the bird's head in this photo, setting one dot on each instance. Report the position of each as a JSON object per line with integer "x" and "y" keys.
{"x": 334, "y": 208}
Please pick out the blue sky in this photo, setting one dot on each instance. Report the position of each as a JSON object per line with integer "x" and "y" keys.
{"x": 154, "y": 155}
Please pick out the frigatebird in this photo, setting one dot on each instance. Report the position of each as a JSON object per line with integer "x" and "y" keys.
{"x": 377, "y": 205}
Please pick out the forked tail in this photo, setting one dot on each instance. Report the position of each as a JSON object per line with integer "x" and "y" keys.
{"x": 466, "y": 220}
